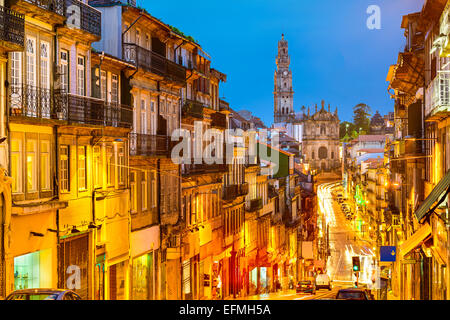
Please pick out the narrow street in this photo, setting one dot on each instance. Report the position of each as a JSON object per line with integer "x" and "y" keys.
{"x": 344, "y": 244}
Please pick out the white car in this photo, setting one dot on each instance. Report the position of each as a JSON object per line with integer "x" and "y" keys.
{"x": 323, "y": 281}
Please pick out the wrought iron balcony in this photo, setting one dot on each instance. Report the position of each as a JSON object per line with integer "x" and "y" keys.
{"x": 30, "y": 101}
{"x": 154, "y": 63}
{"x": 438, "y": 97}
{"x": 12, "y": 29}
{"x": 255, "y": 205}
{"x": 192, "y": 109}
{"x": 40, "y": 8}
{"x": 231, "y": 192}
{"x": 219, "y": 121}
{"x": 83, "y": 17}
{"x": 150, "y": 145}
{"x": 91, "y": 111}
{"x": 203, "y": 168}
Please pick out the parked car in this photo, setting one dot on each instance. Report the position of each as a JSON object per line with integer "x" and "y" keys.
{"x": 306, "y": 286}
{"x": 43, "y": 294}
{"x": 323, "y": 281}
{"x": 354, "y": 294}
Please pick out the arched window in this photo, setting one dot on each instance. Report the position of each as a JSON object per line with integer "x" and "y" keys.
{"x": 323, "y": 153}
{"x": 332, "y": 155}
{"x": 323, "y": 130}
{"x": 313, "y": 156}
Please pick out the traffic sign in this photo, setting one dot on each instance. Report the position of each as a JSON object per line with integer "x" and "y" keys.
{"x": 388, "y": 254}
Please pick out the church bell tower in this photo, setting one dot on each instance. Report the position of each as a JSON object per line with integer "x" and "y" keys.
{"x": 283, "y": 93}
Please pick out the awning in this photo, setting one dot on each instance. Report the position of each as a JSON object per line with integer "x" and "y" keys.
{"x": 415, "y": 240}
{"x": 434, "y": 196}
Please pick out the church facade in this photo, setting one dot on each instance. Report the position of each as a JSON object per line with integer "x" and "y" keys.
{"x": 319, "y": 131}
{"x": 320, "y": 145}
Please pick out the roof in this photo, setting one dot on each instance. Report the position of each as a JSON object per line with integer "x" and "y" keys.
{"x": 371, "y": 150}
{"x": 371, "y": 138}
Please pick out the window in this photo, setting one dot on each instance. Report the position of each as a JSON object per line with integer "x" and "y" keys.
{"x": 82, "y": 177}
{"x": 97, "y": 167}
{"x": 31, "y": 77}
{"x": 110, "y": 166}
{"x": 126, "y": 37}
{"x": 45, "y": 79}
{"x": 114, "y": 89}
{"x": 323, "y": 153}
{"x": 133, "y": 191}
{"x": 154, "y": 190}
{"x": 144, "y": 191}
{"x": 138, "y": 37}
{"x": 31, "y": 61}
{"x": 147, "y": 42}
{"x": 121, "y": 164}
{"x": 143, "y": 116}
{"x": 16, "y": 165}
{"x": 64, "y": 169}
{"x": 45, "y": 166}
{"x": 64, "y": 70}
{"x": 104, "y": 85}
{"x": 32, "y": 185}
{"x": 81, "y": 76}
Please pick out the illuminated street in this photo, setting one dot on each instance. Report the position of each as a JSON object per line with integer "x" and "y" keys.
{"x": 140, "y": 163}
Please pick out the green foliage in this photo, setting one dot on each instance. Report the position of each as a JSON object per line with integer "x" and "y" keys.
{"x": 177, "y": 31}
{"x": 361, "y": 117}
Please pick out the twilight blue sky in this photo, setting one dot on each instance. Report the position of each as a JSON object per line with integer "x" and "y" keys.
{"x": 334, "y": 56}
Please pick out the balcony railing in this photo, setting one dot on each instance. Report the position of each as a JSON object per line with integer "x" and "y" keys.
{"x": 203, "y": 168}
{"x": 192, "y": 109}
{"x": 233, "y": 191}
{"x": 56, "y": 6}
{"x": 91, "y": 111}
{"x": 82, "y": 16}
{"x": 41, "y": 103}
{"x": 438, "y": 97}
{"x": 12, "y": 27}
{"x": 150, "y": 145}
{"x": 30, "y": 101}
{"x": 153, "y": 62}
{"x": 219, "y": 120}
{"x": 255, "y": 205}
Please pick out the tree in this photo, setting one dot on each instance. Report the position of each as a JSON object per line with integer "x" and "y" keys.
{"x": 346, "y": 129}
{"x": 361, "y": 117}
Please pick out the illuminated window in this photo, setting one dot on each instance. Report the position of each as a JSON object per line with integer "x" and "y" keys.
{"x": 32, "y": 185}
{"x": 45, "y": 166}
{"x": 64, "y": 169}
{"x": 16, "y": 165}
{"x": 82, "y": 177}
{"x": 97, "y": 167}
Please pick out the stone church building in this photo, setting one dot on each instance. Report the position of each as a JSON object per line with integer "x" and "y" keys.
{"x": 319, "y": 131}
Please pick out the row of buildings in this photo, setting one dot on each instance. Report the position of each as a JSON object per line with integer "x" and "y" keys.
{"x": 92, "y": 198}
{"x": 400, "y": 183}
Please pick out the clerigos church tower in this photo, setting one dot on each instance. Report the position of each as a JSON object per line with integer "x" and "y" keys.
{"x": 283, "y": 93}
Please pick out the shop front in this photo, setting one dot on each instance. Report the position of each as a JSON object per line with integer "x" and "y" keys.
{"x": 74, "y": 252}
{"x": 144, "y": 248}
{"x": 32, "y": 270}
{"x": 117, "y": 280}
